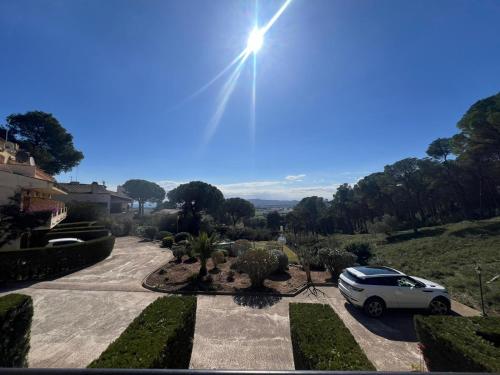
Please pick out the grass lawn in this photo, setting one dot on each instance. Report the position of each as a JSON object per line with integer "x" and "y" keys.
{"x": 446, "y": 254}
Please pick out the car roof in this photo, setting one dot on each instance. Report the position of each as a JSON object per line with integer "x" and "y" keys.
{"x": 64, "y": 239}
{"x": 365, "y": 272}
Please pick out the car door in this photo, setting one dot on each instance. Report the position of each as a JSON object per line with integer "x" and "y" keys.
{"x": 385, "y": 287}
{"x": 411, "y": 294}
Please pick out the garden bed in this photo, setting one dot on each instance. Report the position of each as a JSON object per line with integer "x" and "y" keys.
{"x": 180, "y": 277}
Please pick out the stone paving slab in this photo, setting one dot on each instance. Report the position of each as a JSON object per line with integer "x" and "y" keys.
{"x": 234, "y": 336}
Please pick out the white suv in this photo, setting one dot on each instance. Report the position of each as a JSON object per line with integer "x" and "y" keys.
{"x": 378, "y": 288}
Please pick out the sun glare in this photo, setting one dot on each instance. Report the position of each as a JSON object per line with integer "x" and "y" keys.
{"x": 255, "y": 40}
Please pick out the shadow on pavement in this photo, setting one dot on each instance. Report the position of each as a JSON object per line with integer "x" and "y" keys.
{"x": 396, "y": 325}
{"x": 256, "y": 301}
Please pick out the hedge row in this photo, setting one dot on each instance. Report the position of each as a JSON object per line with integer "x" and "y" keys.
{"x": 89, "y": 234}
{"x": 460, "y": 343}
{"x": 160, "y": 337}
{"x": 76, "y": 229}
{"x": 16, "y": 312}
{"x": 76, "y": 224}
{"x": 41, "y": 262}
{"x": 321, "y": 341}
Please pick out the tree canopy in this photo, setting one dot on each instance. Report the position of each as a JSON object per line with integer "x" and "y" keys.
{"x": 144, "y": 191}
{"x": 196, "y": 196}
{"x": 45, "y": 139}
{"x": 238, "y": 208}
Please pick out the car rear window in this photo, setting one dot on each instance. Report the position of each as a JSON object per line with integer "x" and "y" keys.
{"x": 352, "y": 277}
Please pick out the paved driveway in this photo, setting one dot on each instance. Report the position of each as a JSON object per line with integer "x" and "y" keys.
{"x": 77, "y": 316}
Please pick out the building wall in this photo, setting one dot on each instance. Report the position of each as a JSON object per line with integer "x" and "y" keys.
{"x": 104, "y": 199}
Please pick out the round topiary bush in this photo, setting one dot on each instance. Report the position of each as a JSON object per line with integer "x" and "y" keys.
{"x": 335, "y": 260}
{"x": 181, "y": 236}
{"x": 258, "y": 264}
{"x": 167, "y": 241}
{"x": 178, "y": 252}
{"x": 218, "y": 258}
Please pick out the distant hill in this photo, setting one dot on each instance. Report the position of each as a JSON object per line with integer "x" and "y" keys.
{"x": 272, "y": 203}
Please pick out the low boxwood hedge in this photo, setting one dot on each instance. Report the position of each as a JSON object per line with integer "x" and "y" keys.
{"x": 76, "y": 224}
{"x": 37, "y": 263}
{"x": 85, "y": 235}
{"x": 16, "y": 312}
{"x": 77, "y": 229}
{"x": 321, "y": 341}
{"x": 460, "y": 343}
{"x": 160, "y": 337}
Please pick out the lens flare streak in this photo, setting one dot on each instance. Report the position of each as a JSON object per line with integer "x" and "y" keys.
{"x": 254, "y": 43}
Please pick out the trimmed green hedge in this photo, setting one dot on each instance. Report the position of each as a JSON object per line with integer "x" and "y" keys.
{"x": 76, "y": 229}
{"x": 76, "y": 224}
{"x": 89, "y": 234}
{"x": 160, "y": 337}
{"x": 37, "y": 263}
{"x": 459, "y": 343}
{"x": 321, "y": 341}
{"x": 16, "y": 312}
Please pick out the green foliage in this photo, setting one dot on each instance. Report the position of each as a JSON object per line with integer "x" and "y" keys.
{"x": 161, "y": 234}
{"x": 42, "y": 135}
{"x": 84, "y": 211}
{"x": 160, "y": 337}
{"x": 238, "y": 209}
{"x": 385, "y": 224}
{"x": 144, "y": 191}
{"x": 258, "y": 264}
{"x": 167, "y": 241}
{"x": 251, "y": 234}
{"x": 178, "y": 252}
{"x": 42, "y": 262}
{"x": 75, "y": 224}
{"x": 194, "y": 197}
{"x": 218, "y": 258}
{"x": 362, "y": 250}
{"x": 16, "y": 312}
{"x": 440, "y": 149}
{"x": 335, "y": 260}
{"x": 86, "y": 234}
{"x": 181, "y": 236}
{"x": 203, "y": 246}
{"x": 274, "y": 220}
{"x": 459, "y": 343}
{"x": 240, "y": 247}
{"x": 147, "y": 231}
{"x": 321, "y": 341}
{"x": 282, "y": 260}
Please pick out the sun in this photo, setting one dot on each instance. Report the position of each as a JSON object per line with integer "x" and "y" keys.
{"x": 255, "y": 40}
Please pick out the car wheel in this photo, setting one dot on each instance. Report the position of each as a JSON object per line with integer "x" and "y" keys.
{"x": 374, "y": 307}
{"x": 439, "y": 306}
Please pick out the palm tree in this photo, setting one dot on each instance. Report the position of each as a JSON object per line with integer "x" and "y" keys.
{"x": 203, "y": 245}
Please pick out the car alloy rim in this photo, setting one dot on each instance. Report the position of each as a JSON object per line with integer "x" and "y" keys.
{"x": 439, "y": 307}
{"x": 375, "y": 308}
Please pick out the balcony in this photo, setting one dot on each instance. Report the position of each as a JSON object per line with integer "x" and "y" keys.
{"x": 58, "y": 209}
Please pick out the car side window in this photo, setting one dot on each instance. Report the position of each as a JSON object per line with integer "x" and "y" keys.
{"x": 383, "y": 281}
{"x": 406, "y": 282}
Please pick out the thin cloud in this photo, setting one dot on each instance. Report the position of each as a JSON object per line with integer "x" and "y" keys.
{"x": 298, "y": 177}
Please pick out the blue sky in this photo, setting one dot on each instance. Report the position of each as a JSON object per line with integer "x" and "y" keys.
{"x": 343, "y": 87}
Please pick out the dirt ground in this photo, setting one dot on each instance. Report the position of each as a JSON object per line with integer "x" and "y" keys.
{"x": 177, "y": 277}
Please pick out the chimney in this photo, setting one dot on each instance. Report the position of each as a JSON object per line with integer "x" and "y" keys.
{"x": 94, "y": 186}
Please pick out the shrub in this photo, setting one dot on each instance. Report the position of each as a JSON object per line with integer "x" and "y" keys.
{"x": 161, "y": 234}
{"x": 321, "y": 341}
{"x": 362, "y": 250}
{"x": 240, "y": 247}
{"x": 147, "y": 232}
{"x": 85, "y": 235}
{"x": 273, "y": 245}
{"x": 37, "y": 263}
{"x": 76, "y": 224}
{"x": 230, "y": 276}
{"x": 160, "y": 337}
{"x": 249, "y": 234}
{"x": 459, "y": 343}
{"x": 178, "y": 252}
{"x": 16, "y": 312}
{"x": 257, "y": 264}
{"x": 167, "y": 241}
{"x": 336, "y": 260}
{"x": 282, "y": 260}
{"x": 181, "y": 236}
{"x": 218, "y": 258}
{"x": 385, "y": 224}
